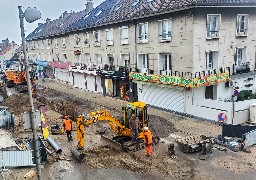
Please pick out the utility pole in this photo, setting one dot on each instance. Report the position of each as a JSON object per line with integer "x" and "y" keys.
{"x": 32, "y": 109}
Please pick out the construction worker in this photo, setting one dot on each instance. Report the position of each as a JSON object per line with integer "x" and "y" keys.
{"x": 68, "y": 127}
{"x": 148, "y": 141}
{"x": 134, "y": 123}
{"x": 33, "y": 92}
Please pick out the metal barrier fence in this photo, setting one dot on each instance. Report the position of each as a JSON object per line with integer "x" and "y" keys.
{"x": 229, "y": 130}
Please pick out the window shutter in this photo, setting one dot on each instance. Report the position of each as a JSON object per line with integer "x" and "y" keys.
{"x": 170, "y": 62}
{"x": 243, "y": 55}
{"x": 160, "y": 28}
{"x": 147, "y": 61}
{"x": 246, "y": 23}
{"x": 236, "y": 57}
{"x": 169, "y": 28}
{"x": 146, "y": 31}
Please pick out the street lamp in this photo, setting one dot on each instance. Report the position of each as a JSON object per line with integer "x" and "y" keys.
{"x": 31, "y": 15}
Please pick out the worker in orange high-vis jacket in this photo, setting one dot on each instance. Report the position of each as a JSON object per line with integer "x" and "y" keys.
{"x": 68, "y": 127}
{"x": 148, "y": 141}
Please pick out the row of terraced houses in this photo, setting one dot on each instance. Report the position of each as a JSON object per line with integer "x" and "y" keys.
{"x": 186, "y": 56}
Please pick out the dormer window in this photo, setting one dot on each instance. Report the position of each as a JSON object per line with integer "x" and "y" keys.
{"x": 117, "y": 7}
{"x": 135, "y": 2}
{"x": 98, "y": 13}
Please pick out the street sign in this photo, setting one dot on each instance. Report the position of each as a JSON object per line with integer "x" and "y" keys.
{"x": 27, "y": 121}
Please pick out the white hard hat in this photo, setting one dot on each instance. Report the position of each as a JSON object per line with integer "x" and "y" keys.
{"x": 145, "y": 128}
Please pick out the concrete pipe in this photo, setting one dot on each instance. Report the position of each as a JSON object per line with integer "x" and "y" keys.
{"x": 54, "y": 145}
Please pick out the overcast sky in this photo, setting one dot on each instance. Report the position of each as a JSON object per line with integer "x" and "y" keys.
{"x": 9, "y": 16}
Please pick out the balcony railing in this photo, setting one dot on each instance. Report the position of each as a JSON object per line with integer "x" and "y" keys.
{"x": 60, "y": 65}
{"x": 243, "y": 68}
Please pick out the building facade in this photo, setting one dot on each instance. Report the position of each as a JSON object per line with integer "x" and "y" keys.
{"x": 184, "y": 56}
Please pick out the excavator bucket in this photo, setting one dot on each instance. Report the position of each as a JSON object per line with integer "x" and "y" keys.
{"x": 109, "y": 142}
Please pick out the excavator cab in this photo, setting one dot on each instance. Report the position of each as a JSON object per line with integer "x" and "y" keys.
{"x": 139, "y": 109}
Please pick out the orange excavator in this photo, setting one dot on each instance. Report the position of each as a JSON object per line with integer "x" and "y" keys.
{"x": 21, "y": 81}
{"x": 9, "y": 77}
{"x": 123, "y": 138}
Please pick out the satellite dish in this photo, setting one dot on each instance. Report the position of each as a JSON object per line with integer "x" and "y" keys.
{"x": 32, "y": 14}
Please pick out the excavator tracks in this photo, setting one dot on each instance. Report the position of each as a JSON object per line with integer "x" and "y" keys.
{"x": 122, "y": 143}
{"x": 130, "y": 146}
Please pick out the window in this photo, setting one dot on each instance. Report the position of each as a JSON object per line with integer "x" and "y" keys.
{"x": 58, "y": 56}
{"x": 240, "y": 56}
{"x": 87, "y": 58}
{"x": 98, "y": 59}
{"x": 97, "y": 38}
{"x": 109, "y": 37}
{"x": 211, "y": 92}
{"x": 78, "y": 58}
{"x": 86, "y": 39}
{"x": 213, "y": 26}
{"x": 56, "y": 43}
{"x": 42, "y": 44}
{"x": 117, "y": 7}
{"x": 43, "y": 56}
{"x": 135, "y": 2}
{"x": 63, "y": 42}
{"x": 165, "y": 27}
{"x": 98, "y": 13}
{"x": 126, "y": 60}
{"x": 49, "y": 57}
{"x": 211, "y": 60}
{"x": 242, "y": 25}
{"x": 38, "y": 56}
{"x": 142, "y": 61}
{"x": 48, "y": 43}
{"x": 77, "y": 40}
{"x": 165, "y": 64}
{"x": 65, "y": 57}
{"x": 124, "y": 35}
{"x": 37, "y": 45}
{"x": 142, "y": 31}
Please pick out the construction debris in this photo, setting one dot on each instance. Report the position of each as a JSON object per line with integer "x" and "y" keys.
{"x": 30, "y": 174}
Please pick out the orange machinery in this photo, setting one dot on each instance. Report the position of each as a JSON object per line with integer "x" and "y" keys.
{"x": 10, "y": 77}
{"x": 21, "y": 80}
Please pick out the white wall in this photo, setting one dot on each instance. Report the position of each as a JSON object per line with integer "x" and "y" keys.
{"x": 242, "y": 79}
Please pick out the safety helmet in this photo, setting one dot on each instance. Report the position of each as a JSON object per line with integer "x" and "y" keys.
{"x": 145, "y": 128}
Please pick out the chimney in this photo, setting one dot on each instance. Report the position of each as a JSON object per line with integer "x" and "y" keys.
{"x": 65, "y": 14}
{"x": 48, "y": 20}
{"x": 89, "y": 6}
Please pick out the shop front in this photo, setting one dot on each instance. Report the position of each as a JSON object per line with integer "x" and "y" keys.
{"x": 60, "y": 70}
{"x": 115, "y": 84}
{"x": 41, "y": 64}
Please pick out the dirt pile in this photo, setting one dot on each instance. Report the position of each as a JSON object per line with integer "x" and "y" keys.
{"x": 160, "y": 126}
{"x": 68, "y": 105}
{"x": 106, "y": 157}
{"x": 17, "y": 103}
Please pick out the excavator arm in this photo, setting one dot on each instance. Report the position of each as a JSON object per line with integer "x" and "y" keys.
{"x": 94, "y": 117}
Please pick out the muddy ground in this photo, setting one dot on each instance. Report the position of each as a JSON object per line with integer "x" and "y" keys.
{"x": 103, "y": 162}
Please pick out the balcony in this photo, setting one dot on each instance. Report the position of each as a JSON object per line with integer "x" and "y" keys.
{"x": 243, "y": 68}
{"x": 60, "y": 65}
